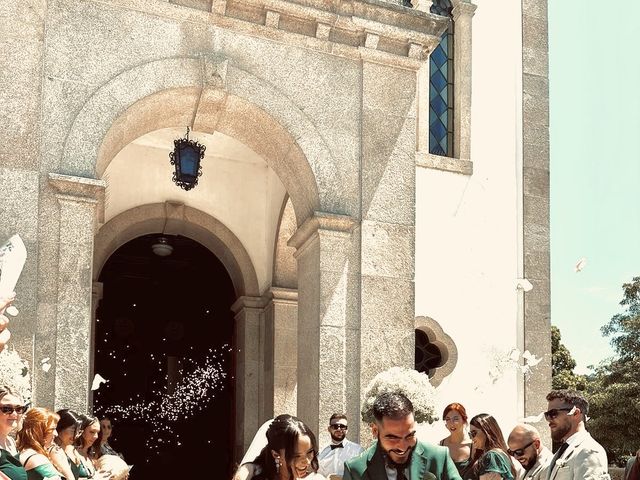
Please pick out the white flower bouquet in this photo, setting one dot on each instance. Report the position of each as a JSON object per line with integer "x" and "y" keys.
{"x": 411, "y": 383}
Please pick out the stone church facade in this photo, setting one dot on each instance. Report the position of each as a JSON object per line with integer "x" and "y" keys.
{"x": 345, "y": 237}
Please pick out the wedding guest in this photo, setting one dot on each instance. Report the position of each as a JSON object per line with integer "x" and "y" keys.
{"x": 489, "y": 460}
{"x": 106, "y": 429}
{"x": 525, "y": 445}
{"x": 331, "y": 459}
{"x": 11, "y": 410}
{"x": 68, "y": 430}
{"x": 458, "y": 442}
{"x": 34, "y": 440}
{"x": 89, "y": 429}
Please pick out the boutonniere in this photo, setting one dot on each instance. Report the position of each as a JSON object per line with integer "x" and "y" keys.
{"x": 561, "y": 462}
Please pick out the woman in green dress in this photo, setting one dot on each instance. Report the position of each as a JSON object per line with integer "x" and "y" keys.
{"x": 11, "y": 410}
{"x": 458, "y": 442}
{"x": 489, "y": 460}
{"x": 34, "y": 440}
{"x": 68, "y": 461}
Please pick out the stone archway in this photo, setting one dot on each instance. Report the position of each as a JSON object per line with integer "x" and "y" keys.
{"x": 209, "y": 94}
{"x": 180, "y": 220}
{"x": 177, "y": 219}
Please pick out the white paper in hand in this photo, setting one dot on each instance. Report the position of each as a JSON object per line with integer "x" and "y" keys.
{"x": 13, "y": 254}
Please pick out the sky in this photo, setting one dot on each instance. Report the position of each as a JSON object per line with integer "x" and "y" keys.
{"x": 594, "y": 88}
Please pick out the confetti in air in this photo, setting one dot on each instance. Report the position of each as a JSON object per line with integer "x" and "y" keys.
{"x": 198, "y": 386}
{"x": 580, "y": 265}
{"x": 97, "y": 381}
{"x": 45, "y": 364}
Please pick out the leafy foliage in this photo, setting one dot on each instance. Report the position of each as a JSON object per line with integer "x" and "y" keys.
{"x": 615, "y": 387}
{"x": 562, "y": 365}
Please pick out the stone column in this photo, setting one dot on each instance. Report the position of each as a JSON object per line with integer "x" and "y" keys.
{"x": 97, "y": 293}
{"x": 462, "y": 14}
{"x": 388, "y": 220}
{"x": 249, "y": 334}
{"x": 328, "y": 281}
{"x": 280, "y": 363}
{"x": 78, "y": 201}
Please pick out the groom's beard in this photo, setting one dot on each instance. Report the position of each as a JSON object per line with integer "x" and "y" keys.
{"x": 390, "y": 461}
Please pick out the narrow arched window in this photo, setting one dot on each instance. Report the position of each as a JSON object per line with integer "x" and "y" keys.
{"x": 441, "y": 87}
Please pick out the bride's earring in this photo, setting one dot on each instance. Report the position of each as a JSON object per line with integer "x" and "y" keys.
{"x": 277, "y": 460}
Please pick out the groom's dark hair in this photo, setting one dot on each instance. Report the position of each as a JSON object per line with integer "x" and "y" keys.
{"x": 392, "y": 405}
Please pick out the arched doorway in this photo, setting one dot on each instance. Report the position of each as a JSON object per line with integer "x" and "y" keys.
{"x": 163, "y": 338}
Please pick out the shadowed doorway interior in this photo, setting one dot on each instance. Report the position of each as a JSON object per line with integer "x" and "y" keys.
{"x": 163, "y": 337}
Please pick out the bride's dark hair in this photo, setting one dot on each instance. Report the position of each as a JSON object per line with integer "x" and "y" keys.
{"x": 283, "y": 434}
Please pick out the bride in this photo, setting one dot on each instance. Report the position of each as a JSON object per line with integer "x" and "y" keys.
{"x": 290, "y": 453}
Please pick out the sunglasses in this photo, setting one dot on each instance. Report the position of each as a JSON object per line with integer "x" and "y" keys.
{"x": 9, "y": 409}
{"x": 554, "y": 412}
{"x": 338, "y": 426}
{"x": 520, "y": 451}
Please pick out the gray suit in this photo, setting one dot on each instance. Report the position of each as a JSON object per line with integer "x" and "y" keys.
{"x": 584, "y": 459}
{"x": 539, "y": 470}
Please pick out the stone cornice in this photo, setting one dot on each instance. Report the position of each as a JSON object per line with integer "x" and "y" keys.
{"x": 446, "y": 164}
{"x": 246, "y": 302}
{"x": 463, "y": 9}
{"x": 321, "y": 221}
{"x": 283, "y": 295}
{"x": 82, "y": 189}
{"x": 407, "y": 36}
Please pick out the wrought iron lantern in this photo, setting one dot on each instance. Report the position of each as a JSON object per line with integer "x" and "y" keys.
{"x": 186, "y": 157}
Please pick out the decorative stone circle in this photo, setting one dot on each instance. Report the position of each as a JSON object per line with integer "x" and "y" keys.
{"x": 436, "y": 353}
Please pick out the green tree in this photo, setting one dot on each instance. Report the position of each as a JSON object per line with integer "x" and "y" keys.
{"x": 562, "y": 365}
{"x": 615, "y": 392}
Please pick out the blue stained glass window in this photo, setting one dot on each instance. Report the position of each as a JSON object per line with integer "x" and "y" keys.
{"x": 441, "y": 87}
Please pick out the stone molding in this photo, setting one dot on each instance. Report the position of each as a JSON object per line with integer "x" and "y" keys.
{"x": 283, "y": 295}
{"x": 80, "y": 189}
{"x": 247, "y": 302}
{"x": 182, "y": 220}
{"x": 446, "y": 164}
{"x": 107, "y": 122}
{"x": 463, "y": 9}
{"x": 444, "y": 342}
{"x": 268, "y": 19}
{"x": 332, "y": 222}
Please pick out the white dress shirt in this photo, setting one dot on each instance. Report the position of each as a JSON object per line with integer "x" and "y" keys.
{"x": 332, "y": 461}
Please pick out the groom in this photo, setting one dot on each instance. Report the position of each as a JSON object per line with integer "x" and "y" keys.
{"x": 398, "y": 455}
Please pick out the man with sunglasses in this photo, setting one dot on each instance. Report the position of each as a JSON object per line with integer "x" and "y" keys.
{"x": 331, "y": 459}
{"x": 527, "y": 448}
{"x": 579, "y": 456}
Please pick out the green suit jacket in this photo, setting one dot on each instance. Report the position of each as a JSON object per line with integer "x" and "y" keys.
{"x": 428, "y": 462}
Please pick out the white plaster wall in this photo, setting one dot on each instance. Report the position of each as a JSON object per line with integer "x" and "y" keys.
{"x": 236, "y": 187}
{"x": 467, "y": 241}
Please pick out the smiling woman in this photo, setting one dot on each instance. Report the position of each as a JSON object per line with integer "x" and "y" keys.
{"x": 490, "y": 460}
{"x": 11, "y": 410}
{"x": 458, "y": 442}
{"x": 291, "y": 451}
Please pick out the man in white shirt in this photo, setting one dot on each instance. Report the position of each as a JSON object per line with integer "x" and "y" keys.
{"x": 331, "y": 459}
{"x": 527, "y": 448}
{"x": 579, "y": 456}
